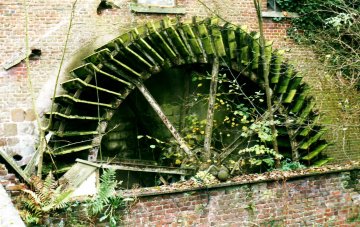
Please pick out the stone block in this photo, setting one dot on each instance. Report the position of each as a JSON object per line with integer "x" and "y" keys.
{"x": 3, "y": 172}
{"x": 12, "y": 141}
{"x": 26, "y": 128}
{"x": 17, "y": 115}
{"x": 30, "y": 115}
{"x": 2, "y": 142}
{"x": 10, "y": 129}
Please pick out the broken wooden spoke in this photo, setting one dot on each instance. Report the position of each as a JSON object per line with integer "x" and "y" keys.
{"x": 210, "y": 110}
{"x": 137, "y": 167}
{"x": 14, "y": 165}
{"x": 231, "y": 148}
{"x": 163, "y": 117}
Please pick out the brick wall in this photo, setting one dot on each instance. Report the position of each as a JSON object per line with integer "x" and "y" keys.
{"x": 320, "y": 197}
{"x": 324, "y": 200}
{"x": 9, "y": 181}
{"x": 48, "y": 23}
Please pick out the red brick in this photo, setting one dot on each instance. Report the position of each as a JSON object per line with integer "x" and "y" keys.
{"x": 13, "y": 187}
{"x": 10, "y": 176}
{"x": 170, "y": 211}
{"x": 4, "y": 182}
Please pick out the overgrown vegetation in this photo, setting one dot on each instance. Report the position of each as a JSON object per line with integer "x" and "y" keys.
{"x": 106, "y": 204}
{"x": 241, "y": 137}
{"x": 287, "y": 165}
{"x": 332, "y": 27}
{"x": 37, "y": 205}
{"x": 44, "y": 197}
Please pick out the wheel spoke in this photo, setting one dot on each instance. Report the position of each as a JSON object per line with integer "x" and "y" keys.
{"x": 210, "y": 110}
{"x": 163, "y": 117}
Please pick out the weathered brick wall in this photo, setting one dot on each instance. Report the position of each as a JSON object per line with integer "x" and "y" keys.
{"x": 324, "y": 200}
{"x": 48, "y": 24}
{"x": 10, "y": 182}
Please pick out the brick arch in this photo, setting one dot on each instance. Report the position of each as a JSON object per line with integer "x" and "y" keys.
{"x": 122, "y": 65}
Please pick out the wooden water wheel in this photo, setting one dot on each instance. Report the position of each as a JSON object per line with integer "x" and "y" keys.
{"x": 146, "y": 57}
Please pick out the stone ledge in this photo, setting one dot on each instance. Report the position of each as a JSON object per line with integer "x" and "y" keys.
{"x": 156, "y": 9}
{"x": 243, "y": 180}
{"x": 274, "y": 14}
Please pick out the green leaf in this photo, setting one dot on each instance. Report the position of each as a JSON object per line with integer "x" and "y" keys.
{"x": 269, "y": 161}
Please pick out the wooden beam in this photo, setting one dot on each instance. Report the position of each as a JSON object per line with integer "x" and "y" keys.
{"x": 75, "y": 117}
{"x": 76, "y": 175}
{"x": 15, "y": 166}
{"x": 70, "y": 150}
{"x": 67, "y": 99}
{"x": 139, "y": 167}
{"x": 78, "y": 83}
{"x": 211, "y": 108}
{"x": 163, "y": 117}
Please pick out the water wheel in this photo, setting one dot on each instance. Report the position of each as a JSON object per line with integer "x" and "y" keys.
{"x": 148, "y": 90}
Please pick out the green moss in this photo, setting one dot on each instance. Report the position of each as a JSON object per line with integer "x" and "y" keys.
{"x": 355, "y": 219}
{"x": 351, "y": 180}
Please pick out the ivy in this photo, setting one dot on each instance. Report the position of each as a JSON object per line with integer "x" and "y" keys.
{"x": 332, "y": 27}
{"x": 287, "y": 165}
{"x": 288, "y": 5}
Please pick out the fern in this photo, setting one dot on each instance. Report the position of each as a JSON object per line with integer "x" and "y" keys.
{"x": 106, "y": 202}
{"x": 45, "y": 196}
{"x": 59, "y": 202}
{"x": 106, "y": 191}
{"x": 30, "y": 217}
